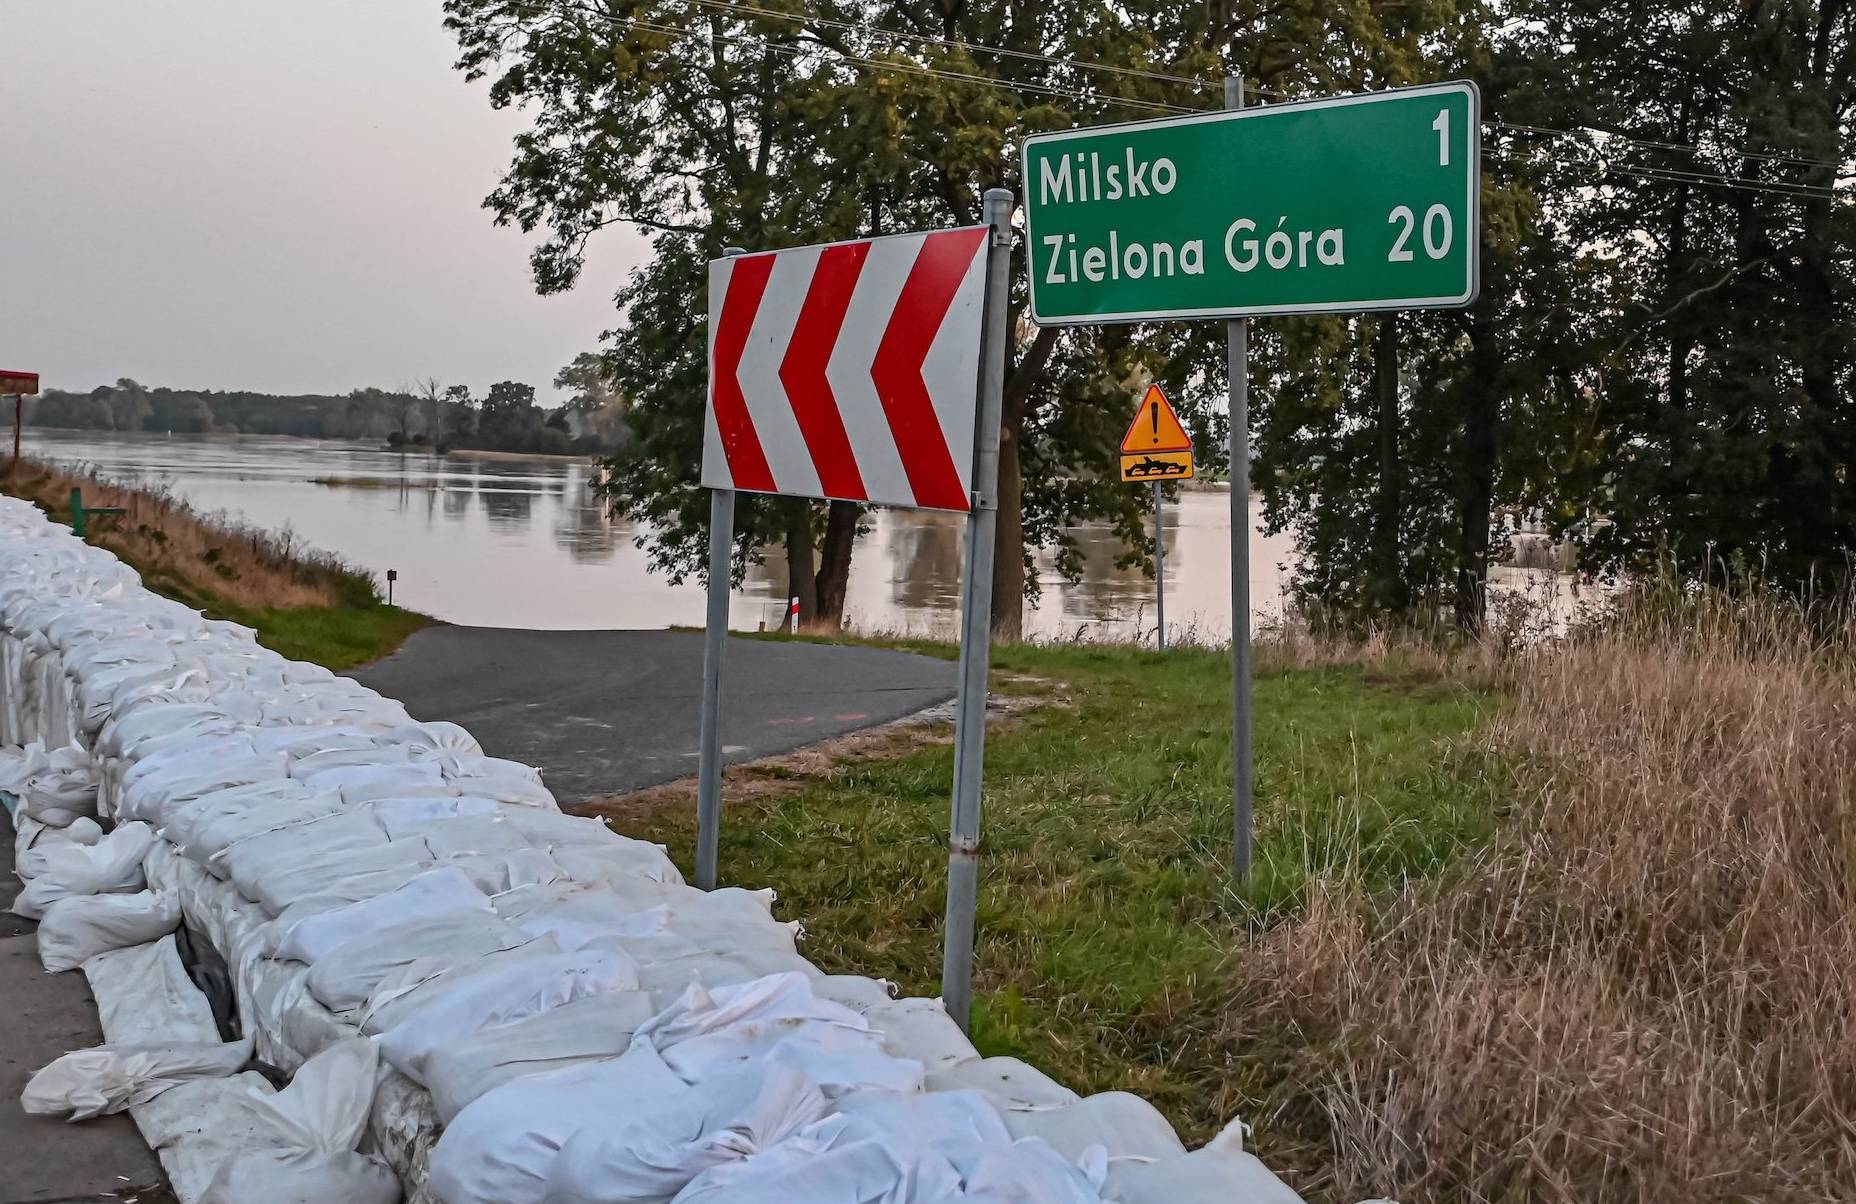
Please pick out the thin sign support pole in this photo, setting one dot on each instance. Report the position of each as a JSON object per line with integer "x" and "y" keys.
{"x": 1160, "y": 564}
{"x": 714, "y": 642}
{"x": 19, "y": 410}
{"x": 963, "y": 846}
{"x": 1237, "y": 354}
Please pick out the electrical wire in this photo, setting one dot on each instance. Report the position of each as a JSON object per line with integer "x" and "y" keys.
{"x": 1672, "y": 177}
{"x": 1652, "y": 144}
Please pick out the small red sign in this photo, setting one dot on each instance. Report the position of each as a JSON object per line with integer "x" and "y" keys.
{"x": 18, "y": 382}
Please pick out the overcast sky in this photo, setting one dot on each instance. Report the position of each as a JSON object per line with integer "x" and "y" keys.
{"x": 279, "y": 195}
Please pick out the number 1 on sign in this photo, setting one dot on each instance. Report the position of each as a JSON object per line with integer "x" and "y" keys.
{"x": 1442, "y": 126}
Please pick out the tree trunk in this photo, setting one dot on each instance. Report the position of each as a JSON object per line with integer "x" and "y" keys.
{"x": 1476, "y": 493}
{"x": 1388, "y": 557}
{"x": 801, "y": 573}
{"x": 834, "y": 565}
{"x": 1008, "y": 561}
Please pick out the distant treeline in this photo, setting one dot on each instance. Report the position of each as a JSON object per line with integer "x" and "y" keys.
{"x": 430, "y": 414}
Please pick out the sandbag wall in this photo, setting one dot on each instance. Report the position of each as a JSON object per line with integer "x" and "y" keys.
{"x": 563, "y": 1018}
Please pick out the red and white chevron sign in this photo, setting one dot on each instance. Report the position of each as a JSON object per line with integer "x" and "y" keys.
{"x": 848, "y": 371}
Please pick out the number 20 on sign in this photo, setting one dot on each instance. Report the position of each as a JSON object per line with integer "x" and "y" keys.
{"x": 1365, "y": 202}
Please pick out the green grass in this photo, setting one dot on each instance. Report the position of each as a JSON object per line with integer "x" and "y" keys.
{"x": 335, "y": 638}
{"x": 1106, "y": 915}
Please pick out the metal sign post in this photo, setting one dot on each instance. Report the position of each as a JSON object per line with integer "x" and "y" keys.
{"x": 1157, "y": 447}
{"x": 1345, "y": 204}
{"x": 1159, "y": 567}
{"x": 1237, "y": 366}
{"x": 714, "y": 642}
{"x": 963, "y": 845}
{"x": 19, "y": 384}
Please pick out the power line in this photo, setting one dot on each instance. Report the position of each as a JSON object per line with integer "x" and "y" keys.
{"x": 1652, "y": 144}
{"x": 1673, "y": 177}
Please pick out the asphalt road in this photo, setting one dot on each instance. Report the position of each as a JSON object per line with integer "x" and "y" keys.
{"x": 604, "y": 712}
{"x": 41, "y": 1157}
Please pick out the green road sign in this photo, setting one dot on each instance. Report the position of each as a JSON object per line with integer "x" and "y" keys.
{"x": 1348, "y": 203}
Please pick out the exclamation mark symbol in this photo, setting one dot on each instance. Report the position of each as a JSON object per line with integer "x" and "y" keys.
{"x": 1154, "y": 412}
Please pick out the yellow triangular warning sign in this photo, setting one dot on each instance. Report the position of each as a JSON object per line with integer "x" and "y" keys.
{"x": 1156, "y": 428}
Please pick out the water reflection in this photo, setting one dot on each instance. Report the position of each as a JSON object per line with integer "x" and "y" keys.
{"x": 524, "y": 542}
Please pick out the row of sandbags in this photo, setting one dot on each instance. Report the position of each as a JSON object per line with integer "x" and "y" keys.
{"x": 560, "y": 1017}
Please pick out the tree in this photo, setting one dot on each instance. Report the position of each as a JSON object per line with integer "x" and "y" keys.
{"x": 1711, "y": 178}
{"x": 715, "y": 125}
{"x": 431, "y": 396}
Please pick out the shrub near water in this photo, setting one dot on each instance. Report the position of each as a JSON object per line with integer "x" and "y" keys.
{"x": 1646, "y": 989}
{"x": 305, "y": 604}
{"x": 193, "y": 554}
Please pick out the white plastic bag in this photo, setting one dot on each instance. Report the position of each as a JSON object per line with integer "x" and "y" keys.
{"x": 76, "y": 929}
{"x": 311, "y": 1128}
{"x": 1219, "y": 1171}
{"x": 111, "y": 866}
{"x": 108, "y": 1078}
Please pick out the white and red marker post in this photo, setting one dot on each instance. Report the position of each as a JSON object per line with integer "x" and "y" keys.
{"x": 869, "y": 371}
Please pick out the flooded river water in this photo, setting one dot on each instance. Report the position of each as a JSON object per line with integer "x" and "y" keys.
{"x": 525, "y": 543}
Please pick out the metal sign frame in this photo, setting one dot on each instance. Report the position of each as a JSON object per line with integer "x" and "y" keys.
{"x": 975, "y": 636}
{"x": 1236, "y": 112}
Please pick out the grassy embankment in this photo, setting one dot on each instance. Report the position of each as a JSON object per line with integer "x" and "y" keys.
{"x": 1571, "y": 924}
{"x": 305, "y": 604}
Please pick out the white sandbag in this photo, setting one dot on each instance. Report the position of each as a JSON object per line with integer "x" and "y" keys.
{"x": 438, "y": 736}
{"x": 920, "y": 1029}
{"x": 522, "y": 990}
{"x": 883, "y": 1148}
{"x": 417, "y": 983}
{"x": 344, "y": 977}
{"x": 461, "y": 836}
{"x": 616, "y": 858}
{"x": 365, "y": 783}
{"x": 668, "y": 978}
{"x": 108, "y": 1078}
{"x": 111, "y": 866}
{"x": 400, "y": 816}
{"x": 596, "y": 1028}
{"x": 498, "y": 1149}
{"x": 1219, "y": 1172}
{"x": 434, "y": 892}
{"x": 207, "y": 825}
{"x": 1010, "y": 1084}
{"x": 310, "y": 889}
{"x": 497, "y": 872}
{"x": 580, "y": 919}
{"x": 649, "y": 1153}
{"x": 311, "y": 1129}
{"x": 327, "y": 839}
{"x": 706, "y": 1032}
{"x": 59, "y": 787}
{"x": 76, "y": 929}
{"x": 180, "y": 783}
{"x": 145, "y": 997}
{"x": 1123, "y": 1126}
{"x": 34, "y": 840}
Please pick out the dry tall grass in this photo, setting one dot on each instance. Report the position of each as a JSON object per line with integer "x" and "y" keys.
{"x": 1645, "y": 990}
{"x": 198, "y": 557}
